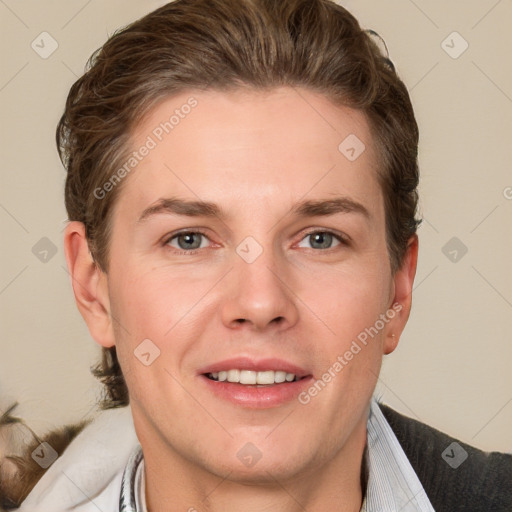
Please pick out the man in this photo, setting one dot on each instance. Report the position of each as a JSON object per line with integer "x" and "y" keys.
{"x": 242, "y": 243}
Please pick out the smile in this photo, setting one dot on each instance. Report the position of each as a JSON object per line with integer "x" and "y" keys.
{"x": 249, "y": 377}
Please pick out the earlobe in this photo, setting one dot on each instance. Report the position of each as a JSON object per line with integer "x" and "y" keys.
{"x": 90, "y": 285}
{"x": 391, "y": 344}
{"x": 403, "y": 282}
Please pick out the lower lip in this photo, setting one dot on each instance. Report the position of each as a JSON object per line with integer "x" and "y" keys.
{"x": 257, "y": 397}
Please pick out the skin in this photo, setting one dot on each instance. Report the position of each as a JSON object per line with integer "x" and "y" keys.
{"x": 255, "y": 154}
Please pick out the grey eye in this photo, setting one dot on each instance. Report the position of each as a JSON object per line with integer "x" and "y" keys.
{"x": 321, "y": 240}
{"x": 190, "y": 240}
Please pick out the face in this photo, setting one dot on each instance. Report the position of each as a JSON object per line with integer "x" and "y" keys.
{"x": 246, "y": 240}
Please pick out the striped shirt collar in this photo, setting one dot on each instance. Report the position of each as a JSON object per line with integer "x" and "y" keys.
{"x": 393, "y": 485}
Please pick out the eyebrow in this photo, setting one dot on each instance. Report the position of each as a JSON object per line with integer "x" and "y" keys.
{"x": 311, "y": 208}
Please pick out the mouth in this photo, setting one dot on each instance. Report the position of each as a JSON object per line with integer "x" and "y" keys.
{"x": 253, "y": 378}
{"x": 254, "y": 384}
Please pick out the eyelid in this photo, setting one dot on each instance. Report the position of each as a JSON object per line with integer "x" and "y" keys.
{"x": 339, "y": 234}
{"x": 184, "y": 231}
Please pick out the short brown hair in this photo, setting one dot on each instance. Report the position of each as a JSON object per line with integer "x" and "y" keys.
{"x": 222, "y": 45}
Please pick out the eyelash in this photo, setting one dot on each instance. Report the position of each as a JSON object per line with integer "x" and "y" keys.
{"x": 343, "y": 239}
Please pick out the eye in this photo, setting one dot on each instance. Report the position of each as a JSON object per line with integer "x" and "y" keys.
{"x": 324, "y": 239}
{"x": 191, "y": 241}
{"x": 187, "y": 240}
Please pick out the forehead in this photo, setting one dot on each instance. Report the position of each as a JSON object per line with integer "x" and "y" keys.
{"x": 245, "y": 147}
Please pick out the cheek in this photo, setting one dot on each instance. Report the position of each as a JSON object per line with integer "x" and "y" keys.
{"x": 152, "y": 304}
{"x": 349, "y": 356}
{"x": 348, "y": 302}
{"x": 162, "y": 306}
{"x": 144, "y": 311}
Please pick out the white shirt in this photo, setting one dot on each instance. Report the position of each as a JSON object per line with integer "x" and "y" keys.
{"x": 104, "y": 465}
{"x": 393, "y": 485}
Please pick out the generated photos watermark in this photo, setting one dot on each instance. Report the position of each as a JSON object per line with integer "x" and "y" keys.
{"x": 343, "y": 359}
{"x": 157, "y": 135}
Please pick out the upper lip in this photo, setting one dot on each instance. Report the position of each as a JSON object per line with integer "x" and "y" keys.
{"x": 256, "y": 365}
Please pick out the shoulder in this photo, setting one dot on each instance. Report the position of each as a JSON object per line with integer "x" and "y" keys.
{"x": 455, "y": 475}
{"x": 88, "y": 474}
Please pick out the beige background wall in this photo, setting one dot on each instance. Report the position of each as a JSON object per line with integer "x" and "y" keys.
{"x": 453, "y": 366}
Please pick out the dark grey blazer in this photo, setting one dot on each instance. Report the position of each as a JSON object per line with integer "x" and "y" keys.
{"x": 482, "y": 483}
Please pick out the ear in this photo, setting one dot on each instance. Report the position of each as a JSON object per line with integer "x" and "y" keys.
{"x": 90, "y": 285}
{"x": 403, "y": 281}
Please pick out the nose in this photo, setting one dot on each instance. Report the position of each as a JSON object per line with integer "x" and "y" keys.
{"x": 259, "y": 295}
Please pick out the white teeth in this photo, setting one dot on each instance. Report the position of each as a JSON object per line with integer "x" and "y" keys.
{"x": 247, "y": 377}
{"x": 234, "y": 376}
{"x": 280, "y": 376}
{"x": 265, "y": 377}
{"x": 251, "y": 377}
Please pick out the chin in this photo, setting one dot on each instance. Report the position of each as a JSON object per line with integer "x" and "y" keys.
{"x": 250, "y": 465}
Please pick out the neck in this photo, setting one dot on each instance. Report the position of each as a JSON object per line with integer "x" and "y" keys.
{"x": 334, "y": 484}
